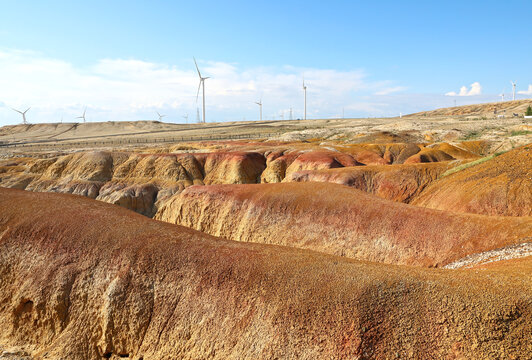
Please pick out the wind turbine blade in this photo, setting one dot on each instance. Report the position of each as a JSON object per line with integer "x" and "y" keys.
{"x": 199, "y": 86}
{"x": 20, "y": 112}
{"x": 197, "y": 68}
{"x": 27, "y": 110}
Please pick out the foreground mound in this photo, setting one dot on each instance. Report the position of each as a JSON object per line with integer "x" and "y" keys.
{"x": 342, "y": 221}
{"x": 500, "y": 186}
{"x": 93, "y": 281}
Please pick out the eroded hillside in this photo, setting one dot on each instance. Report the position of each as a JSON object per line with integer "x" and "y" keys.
{"x": 342, "y": 221}
{"x": 144, "y": 180}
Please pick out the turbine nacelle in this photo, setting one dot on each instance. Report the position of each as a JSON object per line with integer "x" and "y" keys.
{"x": 83, "y": 116}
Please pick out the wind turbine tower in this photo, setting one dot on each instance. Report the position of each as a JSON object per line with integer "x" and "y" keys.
{"x": 502, "y": 96}
{"x": 23, "y": 114}
{"x": 305, "y": 93}
{"x": 514, "y": 84}
{"x": 290, "y": 113}
{"x": 83, "y": 116}
{"x": 201, "y": 84}
{"x": 160, "y": 116}
{"x": 186, "y": 118}
{"x": 260, "y": 106}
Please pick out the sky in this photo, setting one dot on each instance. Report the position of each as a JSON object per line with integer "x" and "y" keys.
{"x": 129, "y": 60}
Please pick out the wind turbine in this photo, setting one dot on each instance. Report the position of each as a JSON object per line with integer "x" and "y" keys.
{"x": 186, "y": 118}
{"x": 305, "y": 91}
{"x": 260, "y": 105}
{"x": 82, "y": 116}
{"x": 502, "y": 96}
{"x": 514, "y": 84}
{"x": 201, "y": 83}
{"x": 23, "y": 114}
{"x": 160, "y": 116}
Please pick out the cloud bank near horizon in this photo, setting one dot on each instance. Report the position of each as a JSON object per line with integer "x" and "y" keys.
{"x": 133, "y": 89}
{"x": 526, "y": 92}
{"x": 476, "y": 89}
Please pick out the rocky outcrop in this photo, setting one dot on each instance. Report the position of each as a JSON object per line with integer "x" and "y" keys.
{"x": 393, "y": 182}
{"x": 381, "y": 154}
{"x": 82, "y": 279}
{"x": 340, "y": 220}
{"x": 316, "y": 160}
{"x": 234, "y": 168}
{"x": 427, "y": 156}
{"x": 78, "y": 173}
{"x": 139, "y": 198}
{"x": 499, "y": 186}
{"x": 140, "y": 182}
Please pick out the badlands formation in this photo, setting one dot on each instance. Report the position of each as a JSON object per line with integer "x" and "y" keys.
{"x": 339, "y": 239}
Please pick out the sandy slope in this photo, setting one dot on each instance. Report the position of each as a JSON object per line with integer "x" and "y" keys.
{"x": 486, "y": 109}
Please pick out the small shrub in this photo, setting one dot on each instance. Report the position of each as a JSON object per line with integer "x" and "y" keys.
{"x": 529, "y": 111}
{"x": 471, "y": 135}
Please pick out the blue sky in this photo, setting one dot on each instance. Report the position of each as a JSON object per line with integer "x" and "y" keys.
{"x": 125, "y": 60}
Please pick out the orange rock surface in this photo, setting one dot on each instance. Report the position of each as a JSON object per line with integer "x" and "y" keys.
{"x": 82, "y": 279}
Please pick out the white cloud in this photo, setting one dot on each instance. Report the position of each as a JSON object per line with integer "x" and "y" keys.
{"x": 526, "y": 92}
{"x": 476, "y": 89}
{"x": 131, "y": 89}
{"x": 390, "y": 90}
